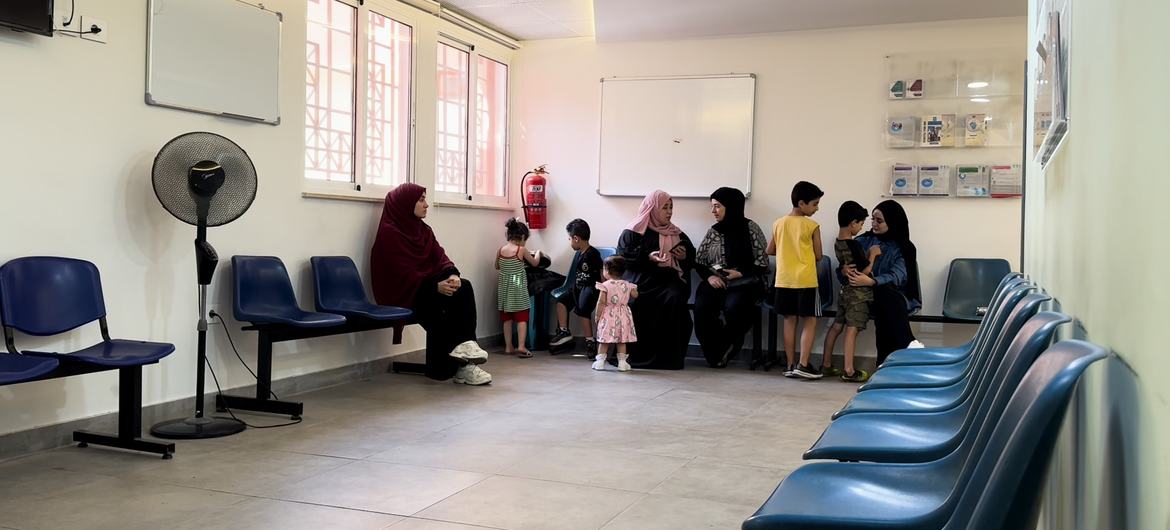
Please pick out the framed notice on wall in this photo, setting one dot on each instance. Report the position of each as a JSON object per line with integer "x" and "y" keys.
{"x": 1050, "y": 83}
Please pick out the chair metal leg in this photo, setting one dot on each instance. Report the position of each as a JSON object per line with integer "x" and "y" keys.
{"x": 773, "y": 339}
{"x": 757, "y": 342}
{"x": 129, "y": 434}
{"x": 262, "y": 402}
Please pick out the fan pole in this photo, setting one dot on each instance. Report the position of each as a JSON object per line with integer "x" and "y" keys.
{"x": 200, "y": 426}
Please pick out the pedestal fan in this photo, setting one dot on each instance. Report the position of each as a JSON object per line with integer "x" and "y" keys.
{"x": 205, "y": 180}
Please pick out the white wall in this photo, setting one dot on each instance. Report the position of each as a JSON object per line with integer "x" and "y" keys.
{"x": 1094, "y": 239}
{"x": 77, "y": 143}
{"x": 811, "y": 86}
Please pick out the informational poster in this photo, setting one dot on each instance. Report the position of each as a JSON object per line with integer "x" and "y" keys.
{"x": 1006, "y": 181}
{"x": 904, "y": 180}
{"x": 975, "y": 130}
{"x": 916, "y": 89}
{"x": 934, "y": 180}
{"x": 971, "y": 181}
{"x": 938, "y": 131}
{"x": 898, "y": 90}
{"x": 902, "y": 132}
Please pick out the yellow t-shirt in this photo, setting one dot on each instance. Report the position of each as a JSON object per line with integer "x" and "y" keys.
{"x": 796, "y": 264}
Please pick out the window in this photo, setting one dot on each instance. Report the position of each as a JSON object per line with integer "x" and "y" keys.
{"x": 454, "y": 71}
{"x": 470, "y": 163}
{"x": 358, "y": 99}
{"x": 491, "y": 128}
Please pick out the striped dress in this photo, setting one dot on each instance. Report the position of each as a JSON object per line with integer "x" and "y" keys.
{"x": 513, "y": 288}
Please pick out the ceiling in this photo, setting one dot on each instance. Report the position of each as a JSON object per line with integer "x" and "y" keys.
{"x": 614, "y": 20}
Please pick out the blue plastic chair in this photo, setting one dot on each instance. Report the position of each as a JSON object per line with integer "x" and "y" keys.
{"x": 49, "y": 295}
{"x": 947, "y": 355}
{"x": 263, "y": 294}
{"x": 938, "y": 375}
{"x": 20, "y": 368}
{"x": 970, "y": 284}
{"x": 339, "y": 290}
{"x": 895, "y": 437}
{"x": 924, "y": 399}
{"x": 987, "y": 490}
{"x": 605, "y": 252}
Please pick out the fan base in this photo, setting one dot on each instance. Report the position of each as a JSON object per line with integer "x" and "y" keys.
{"x": 197, "y": 428}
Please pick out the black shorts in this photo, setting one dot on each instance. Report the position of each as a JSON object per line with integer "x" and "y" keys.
{"x": 797, "y": 302}
{"x": 581, "y": 300}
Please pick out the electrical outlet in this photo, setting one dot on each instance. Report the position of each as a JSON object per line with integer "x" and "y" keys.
{"x": 62, "y": 15}
{"x": 97, "y": 25}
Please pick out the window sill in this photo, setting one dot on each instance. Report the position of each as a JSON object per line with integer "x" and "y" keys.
{"x": 341, "y": 196}
{"x": 471, "y": 205}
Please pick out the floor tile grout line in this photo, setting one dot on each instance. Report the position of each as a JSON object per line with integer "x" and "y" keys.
{"x": 427, "y": 507}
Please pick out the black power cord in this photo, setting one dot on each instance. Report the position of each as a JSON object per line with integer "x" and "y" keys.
{"x": 93, "y": 30}
{"x": 219, "y": 390}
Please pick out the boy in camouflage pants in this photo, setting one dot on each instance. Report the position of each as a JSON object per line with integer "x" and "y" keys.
{"x": 853, "y": 302}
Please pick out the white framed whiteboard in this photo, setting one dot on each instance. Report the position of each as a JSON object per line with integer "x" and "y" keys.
{"x": 218, "y": 57}
{"x": 686, "y": 135}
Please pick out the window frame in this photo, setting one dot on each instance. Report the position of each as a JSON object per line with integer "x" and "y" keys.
{"x": 362, "y": 187}
{"x": 476, "y": 48}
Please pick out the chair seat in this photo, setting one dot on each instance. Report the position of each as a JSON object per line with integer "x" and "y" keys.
{"x": 370, "y": 311}
{"x": 833, "y": 495}
{"x": 904, "y": 400}
{"x": 292, "y": 317}
{"x": 19, "y": 368}
{"x": 115, "y": 353}
{"x": 892, "y": 438}
{"x": 917, "y": 376}
{"x": 922, "y": 356}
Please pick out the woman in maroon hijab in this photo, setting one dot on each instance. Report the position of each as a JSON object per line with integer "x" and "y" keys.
{"x": 410, "y": 269}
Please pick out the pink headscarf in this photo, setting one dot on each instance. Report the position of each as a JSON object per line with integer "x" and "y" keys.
{"x": 650, "y": 216}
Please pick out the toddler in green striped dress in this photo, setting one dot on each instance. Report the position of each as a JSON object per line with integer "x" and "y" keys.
{"x": 513, "y": 287}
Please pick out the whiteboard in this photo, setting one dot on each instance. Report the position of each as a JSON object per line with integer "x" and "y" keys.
{"x": 684, "y": 135}
{"x": 218, "y": 57}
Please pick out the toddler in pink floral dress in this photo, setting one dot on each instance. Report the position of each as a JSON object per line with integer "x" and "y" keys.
{"x": 615, "y": 321}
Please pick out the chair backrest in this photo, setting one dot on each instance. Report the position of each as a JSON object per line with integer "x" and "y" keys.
{"x": 336, "y": 282}
{"x": 825, "y": 282}
{"x": 999, "y": 325}
{"x": 971, "y": 283}
{"x": 998, "y": 304}
{"x": 261, "y": 285}
{"x": 50, "y": 295}
{"x": 1005, "y": 483}
{"x": 606, "y": 252}
{"x": 1019, "y": 352}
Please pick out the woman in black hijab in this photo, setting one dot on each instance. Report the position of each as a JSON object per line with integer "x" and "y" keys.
{"x": 732, "y": 263}
{"x": 894, "y": 278}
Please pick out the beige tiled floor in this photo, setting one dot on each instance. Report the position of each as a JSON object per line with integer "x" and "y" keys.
{"x": 550, "y": 444}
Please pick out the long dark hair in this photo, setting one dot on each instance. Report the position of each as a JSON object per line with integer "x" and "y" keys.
{"x": 898, "y": 231}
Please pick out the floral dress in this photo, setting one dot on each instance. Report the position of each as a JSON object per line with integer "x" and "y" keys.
{"x": 615, "y": 323}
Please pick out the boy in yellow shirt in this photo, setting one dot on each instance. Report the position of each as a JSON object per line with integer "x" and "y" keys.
{"x": 796, "y": 243}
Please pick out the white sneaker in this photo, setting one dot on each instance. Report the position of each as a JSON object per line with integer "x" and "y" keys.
{"x": 599, "y": 364}
{"x": 624, "y": 366}
{"x": 473, "y": 375}
{"x": 471, "y": 352}
{"x": 915, "y": 345}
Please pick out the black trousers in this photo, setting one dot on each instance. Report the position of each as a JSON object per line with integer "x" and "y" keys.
{"x": 738, "y": 307}
{"x": 891, "y": 321}
{"x": 449, "y": 321}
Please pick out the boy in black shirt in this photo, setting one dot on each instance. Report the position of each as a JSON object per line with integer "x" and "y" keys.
{"x": 581, "y": 297}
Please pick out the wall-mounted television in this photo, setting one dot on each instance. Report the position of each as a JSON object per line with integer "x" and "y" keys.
{"x": 33, "y": 16}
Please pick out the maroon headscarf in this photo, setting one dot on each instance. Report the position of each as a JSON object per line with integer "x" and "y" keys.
{"x": 405, "y": 251}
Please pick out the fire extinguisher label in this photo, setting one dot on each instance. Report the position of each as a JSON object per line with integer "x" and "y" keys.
{"x": 536, "y": 189}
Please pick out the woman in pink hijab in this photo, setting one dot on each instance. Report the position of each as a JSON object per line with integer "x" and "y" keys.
{"x": 660, "y": 258}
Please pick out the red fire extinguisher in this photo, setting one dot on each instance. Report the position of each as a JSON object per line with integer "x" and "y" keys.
{"x": 534, "y": 198}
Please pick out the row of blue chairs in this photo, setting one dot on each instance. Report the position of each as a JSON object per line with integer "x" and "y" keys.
{"x": 263, "y": 296}
{"x": 948, "y": 438}
{"x": 46, "y": 296}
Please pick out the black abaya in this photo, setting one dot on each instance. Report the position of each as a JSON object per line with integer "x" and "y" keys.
{"x": 448, "y": 320}
{"x": 662, "y": 319}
